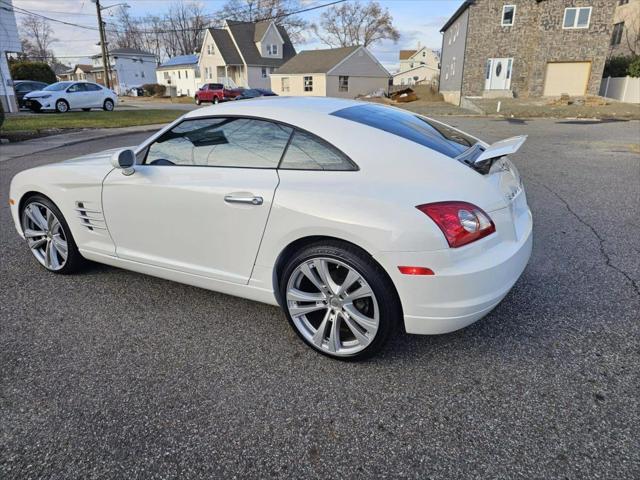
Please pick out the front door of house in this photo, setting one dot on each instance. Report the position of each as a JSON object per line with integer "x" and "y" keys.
{"x": 498, "y": 74}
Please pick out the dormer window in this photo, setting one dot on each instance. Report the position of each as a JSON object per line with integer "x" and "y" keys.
{"x": 272, "y": 49}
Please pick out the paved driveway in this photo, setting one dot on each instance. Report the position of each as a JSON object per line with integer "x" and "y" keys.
{"x": 111, "y": 374}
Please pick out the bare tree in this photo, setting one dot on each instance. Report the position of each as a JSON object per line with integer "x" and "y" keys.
{"x": 254, "y": 10}
{"x": 36, "y": 38}
{"x": 354, "y": 23}
{"x": 126, "y": 33}
{"x": 185, "y": 25}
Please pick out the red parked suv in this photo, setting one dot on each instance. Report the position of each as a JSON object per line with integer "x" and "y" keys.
{"x": 215, "y": 93}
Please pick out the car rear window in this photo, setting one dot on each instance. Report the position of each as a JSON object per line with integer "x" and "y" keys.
{"x": 434, "y": 135}
{"x": 216, "y": 86}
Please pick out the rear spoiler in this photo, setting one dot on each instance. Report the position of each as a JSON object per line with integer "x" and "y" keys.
{"x": 493, "y": 152}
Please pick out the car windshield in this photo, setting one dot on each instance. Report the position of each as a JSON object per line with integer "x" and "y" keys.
{"x": 58, "y": 86}
{"x": 428, "y": 133}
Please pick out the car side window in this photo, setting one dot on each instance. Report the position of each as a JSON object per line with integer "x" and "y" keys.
{"x": 308, "y": 152}
{"x": 92, "y": 87}
{"x": 221, "y": 142}
{"x": 76, "y": 87}
{"x": 23, "y": 87}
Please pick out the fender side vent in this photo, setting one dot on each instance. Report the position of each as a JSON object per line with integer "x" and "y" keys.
{"x": 90, "y": 218}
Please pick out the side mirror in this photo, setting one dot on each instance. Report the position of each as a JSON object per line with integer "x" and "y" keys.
{"x": 124, "y": 160}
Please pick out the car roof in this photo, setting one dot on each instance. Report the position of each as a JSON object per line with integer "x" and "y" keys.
{"x": 276, "y": 107}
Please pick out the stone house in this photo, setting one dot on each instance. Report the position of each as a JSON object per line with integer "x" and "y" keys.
{"x": 244, "y": 54}
{"x": 625, "y": 38}
{"x": 525, "y": 48}
{"x": 417, "y": 66}
{"x": 345, "y": 72}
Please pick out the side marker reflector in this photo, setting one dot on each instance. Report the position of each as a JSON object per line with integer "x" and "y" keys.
{"x": 12, "y": 201}
{"x": 416, "y": 271}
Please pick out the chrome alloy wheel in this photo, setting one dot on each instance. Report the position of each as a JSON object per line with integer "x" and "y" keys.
{"x": 332, "y": 306}
{"x": 45, "y": 236}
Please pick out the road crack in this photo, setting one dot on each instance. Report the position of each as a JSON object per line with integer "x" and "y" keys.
{"x": 601, "y": 241}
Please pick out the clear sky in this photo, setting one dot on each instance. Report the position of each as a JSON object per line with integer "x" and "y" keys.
{"x": 418, "y": 21}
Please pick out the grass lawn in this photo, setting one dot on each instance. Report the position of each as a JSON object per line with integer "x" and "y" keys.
{"x": 75, "y": 120}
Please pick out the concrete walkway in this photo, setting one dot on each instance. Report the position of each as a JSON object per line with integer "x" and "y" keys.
{"x": 37, "y": 145}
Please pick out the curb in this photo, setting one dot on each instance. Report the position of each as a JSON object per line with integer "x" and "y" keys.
{"x": 75, "y": 141}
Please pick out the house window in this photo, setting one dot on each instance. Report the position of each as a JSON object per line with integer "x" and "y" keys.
{"x": 179, "y": 74}
{"x": 264, "y": 72}
{"x": 272, "y": 49}
{"x": 142, "y": 74}
{"x": 616, "y": 38}
{"x": 487, "y": 70}
{"x": 576, "y": 17}
{"x": 285, "y": 84}
{"x": 210, "y": 50}
{"x": 166, "y": 75}
{"x": 623, "y": 2}
{"x": 186, "y": 74}
{"x": 343, "y": 83}
{"x": 508, "y": 15}
{"x": 308, "y": 84}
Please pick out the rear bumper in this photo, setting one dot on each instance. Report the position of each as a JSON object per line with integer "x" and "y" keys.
{"x": 468, "y": 282}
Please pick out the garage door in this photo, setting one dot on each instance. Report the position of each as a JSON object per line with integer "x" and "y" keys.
{"x": 567, "y": 77}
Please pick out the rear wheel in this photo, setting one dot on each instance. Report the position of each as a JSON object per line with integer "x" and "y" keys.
{"x": 339, "y": 300}
{"x": 49, "y": 237}
{"x": 62, "y": 106}
{"x": 108, "y": 105}
{"x": 216, "y": 100}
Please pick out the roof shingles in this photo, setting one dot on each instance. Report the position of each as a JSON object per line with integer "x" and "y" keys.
{"x": 315, "y": 61}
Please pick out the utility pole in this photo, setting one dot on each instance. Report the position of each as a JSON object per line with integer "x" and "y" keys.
{"x": 103, "y": 45}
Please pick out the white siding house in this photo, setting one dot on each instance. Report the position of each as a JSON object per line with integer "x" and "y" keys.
{"x": 181, "y": 73}
{"x": 9, "y": 43}
{"x": 421, "y": 66}
{"x": 129, "y": 68}
{"x": 336, "y": 72}
{"x": 244, "y": 54}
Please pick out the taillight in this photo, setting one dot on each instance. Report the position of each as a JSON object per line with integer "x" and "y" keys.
{"x": 461, "y": 222}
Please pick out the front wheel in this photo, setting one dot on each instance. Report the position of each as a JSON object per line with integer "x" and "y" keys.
{"x": 339, "y": 300}
{"x": 198, "y": 102}
{"x": 108, "y": 105}
{"x": 62, "y": 106}
{"x": 48, "y": 236}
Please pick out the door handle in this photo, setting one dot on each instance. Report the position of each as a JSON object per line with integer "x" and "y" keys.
{"x": 251, "y": 200}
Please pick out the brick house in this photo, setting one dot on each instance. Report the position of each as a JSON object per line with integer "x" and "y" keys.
{"x": 625, "y": 39}
{"x": 525, "y": 48}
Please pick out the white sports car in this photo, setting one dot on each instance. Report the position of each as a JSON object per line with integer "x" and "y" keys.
{"x": 356, "y": 218}
{"x": 65, "y": 96}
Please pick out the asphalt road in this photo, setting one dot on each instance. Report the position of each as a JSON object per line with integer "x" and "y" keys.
{"x": 112, "y": 374}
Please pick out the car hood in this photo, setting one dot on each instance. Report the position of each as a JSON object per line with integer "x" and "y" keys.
{"x": 99, "y": 158}
{"x": 38, "y": 93}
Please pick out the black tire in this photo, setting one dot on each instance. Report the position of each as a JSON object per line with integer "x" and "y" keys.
{"x": 75, "y": 262}
{"x": 198, "y": 102}
{"x": 216, "y": 100}
{"x": 62, "y": 106}
{"x": 390, "y": 311}
{"x": 86, "y": 109}
{"x": 108, "y": 105}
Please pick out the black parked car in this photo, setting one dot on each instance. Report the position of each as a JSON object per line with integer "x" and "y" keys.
{"x": 22, "y": 87}
{"x": 254, "y": 93}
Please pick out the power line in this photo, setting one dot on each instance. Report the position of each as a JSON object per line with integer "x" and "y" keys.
{"x": 175, "y": 30}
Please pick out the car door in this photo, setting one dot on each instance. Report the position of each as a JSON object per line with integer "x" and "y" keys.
{"x": 76, "y": 95}
{"x": 199, "y": 203}
{"x": 95, "y": 95}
